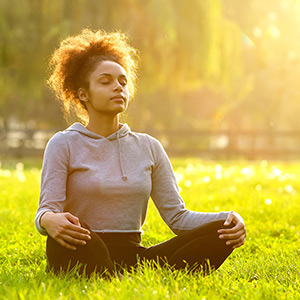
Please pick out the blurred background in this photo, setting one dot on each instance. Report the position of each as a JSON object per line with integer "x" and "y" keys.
{"x": 218, "y": 79}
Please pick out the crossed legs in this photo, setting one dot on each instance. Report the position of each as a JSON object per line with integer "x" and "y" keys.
{"x": 197, "y": 249}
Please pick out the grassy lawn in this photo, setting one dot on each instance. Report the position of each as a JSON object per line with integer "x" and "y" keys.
{"x": 266, "y": 194}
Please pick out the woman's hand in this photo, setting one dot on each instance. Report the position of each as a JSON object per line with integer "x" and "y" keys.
{"x": 236, "y": 234}
{"x": 65, "y": 229}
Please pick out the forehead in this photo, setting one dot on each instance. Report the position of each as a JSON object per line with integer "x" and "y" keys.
{"x": 108, "y": 67}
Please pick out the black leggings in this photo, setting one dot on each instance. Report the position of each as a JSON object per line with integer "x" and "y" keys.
{"x": 199, "y": 249}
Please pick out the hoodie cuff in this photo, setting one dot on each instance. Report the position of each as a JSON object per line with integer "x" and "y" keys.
{"x": 37, "y": 219}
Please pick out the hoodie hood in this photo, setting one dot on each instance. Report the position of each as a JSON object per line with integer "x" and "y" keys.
{"x": 122, "y": 132}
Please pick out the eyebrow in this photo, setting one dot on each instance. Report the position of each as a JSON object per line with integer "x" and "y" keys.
{"x": 108, "y": 74}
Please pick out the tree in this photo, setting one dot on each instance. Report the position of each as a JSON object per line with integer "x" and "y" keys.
{"x": 186, "y": 48}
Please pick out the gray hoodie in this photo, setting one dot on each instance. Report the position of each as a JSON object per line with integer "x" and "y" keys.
{"x": 107, "y": 182}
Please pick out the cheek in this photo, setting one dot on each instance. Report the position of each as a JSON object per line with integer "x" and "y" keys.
{"x": 126, "y": 92}
{"x": 97, "y": 92}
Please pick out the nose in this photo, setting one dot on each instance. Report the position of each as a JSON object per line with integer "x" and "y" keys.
{"x": 118, "y": 86}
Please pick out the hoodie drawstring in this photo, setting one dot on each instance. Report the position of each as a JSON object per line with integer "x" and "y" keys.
{"x": 124, "y": 177}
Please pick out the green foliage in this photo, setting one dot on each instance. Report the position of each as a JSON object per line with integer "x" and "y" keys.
{"x": 227, "y": 64}
{"x": 184, "y": 45}
{"x": 266, "y": 194}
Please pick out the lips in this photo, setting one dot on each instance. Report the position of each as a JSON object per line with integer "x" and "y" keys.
{"x": 118, "y": 97}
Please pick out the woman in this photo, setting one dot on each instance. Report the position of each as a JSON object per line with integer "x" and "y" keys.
{"x": 97, "y": 179}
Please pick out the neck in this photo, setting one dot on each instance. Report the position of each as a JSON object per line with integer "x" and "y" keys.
{"x": 104, "y": 126}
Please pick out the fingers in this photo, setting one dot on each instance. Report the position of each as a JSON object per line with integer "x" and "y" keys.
{"x": 72, "y": 235}
{"x": 232, "y": 235}
{"x": 69, "y": 239}
{"x": 236, "y": 228}
{"x": 75, "y": 224}
{"x": 65, "y": 245}
{"x": 236, "y": 235}
{"x": 73, "y": 240}
{"x": 66, "y": 230}
{"x": 77, "y": 228}
{"x": 233, "y": 218}
{"x": 237, "y": 243}
{"x": 229, "y": 219}
{"x": 77, "y": 235}
{"x": 72, "y": 219}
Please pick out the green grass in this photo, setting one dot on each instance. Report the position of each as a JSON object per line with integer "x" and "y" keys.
{"x": 266, "y": 194}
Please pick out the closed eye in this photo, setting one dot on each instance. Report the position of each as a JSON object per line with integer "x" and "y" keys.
{"x": 123, "y": 82}
{"x": 107, "y": 79}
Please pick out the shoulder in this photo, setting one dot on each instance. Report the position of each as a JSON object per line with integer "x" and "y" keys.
{"x": 146, "y": 138}
{"x": 56, "y": 153}
{"x": 61, "y": 138}
{"x": 58, "y": 143}
{"x": 58, "y": 139}
{"x": 153, "y": 145}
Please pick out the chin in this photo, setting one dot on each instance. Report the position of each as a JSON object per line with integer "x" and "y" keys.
{"x": 119, "y": 111}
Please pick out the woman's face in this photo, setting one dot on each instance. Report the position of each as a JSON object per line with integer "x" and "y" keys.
{"x": 108, "y": 90}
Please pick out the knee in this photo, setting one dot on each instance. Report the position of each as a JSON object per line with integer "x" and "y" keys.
{"x": 209, "y": 232}
{"x": 218, "y": 224}
{"x": 210, "y": 228}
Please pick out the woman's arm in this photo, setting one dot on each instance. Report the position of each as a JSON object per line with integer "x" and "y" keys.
{"x": 50, "y": 217}
{"x": 167, "y": 199}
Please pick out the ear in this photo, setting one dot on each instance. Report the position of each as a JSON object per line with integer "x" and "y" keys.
{"x": 83, "y": 94}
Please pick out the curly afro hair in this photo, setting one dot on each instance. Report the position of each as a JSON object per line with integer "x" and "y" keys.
{"x": 77, "y": 57}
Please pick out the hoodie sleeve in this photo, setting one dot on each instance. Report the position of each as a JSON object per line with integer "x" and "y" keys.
{"x": 166, "y": 197}
{"x": 53, "y": 178}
